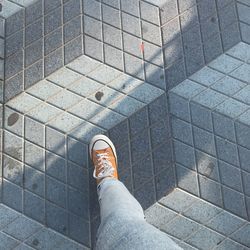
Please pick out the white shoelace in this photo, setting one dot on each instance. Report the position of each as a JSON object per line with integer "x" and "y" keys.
{"x": 105, "y": 166}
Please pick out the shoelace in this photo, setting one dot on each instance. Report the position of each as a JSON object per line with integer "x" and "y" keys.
{"x": 106, "y": 168}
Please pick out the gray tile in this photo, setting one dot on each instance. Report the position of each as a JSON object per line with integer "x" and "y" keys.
{"x": 7, "y": 215}
{"x": 53, "y": 20}
{"x": 113, "y": 57}
{"x": 246, "y": 183}
{"x": 210, "y": 27}
{"x": 192, "y": 38}
{"x": 153, "y": 54}
{"x": 185, "y": 129}
{"x": 151, "y": 33}
{"x": 34, "y": 207}
{"x": 71, "y": 9}
{"x": 93, "y": 27}
{"x": 227, "y": 151}
{"x": 244, "y": 95}
{"x": 23, "y": 247}
{"x": 206, "y": 8}
{"x": 242, "y": 133}
{"x": 212, "y": 48}
{"x": 34, "y": 131}
{"x": 242, "y": 235}
{"x": 33, "y": 32}
{"x": 91, "y": 8}
{"x": 34, "y": 52}
{"x": 130, "y": 6}
{"x": 244, "y": 118}
{"x": 34, "y": 156}
{"x": 180, "y": 227}
{"x": 113, "y": 3}
{"x": 205, "y": 238}
{"x": 33, "y": 74}
{"x": 93, "y": 48}
{"x": 188, "y": 18}
{"x": 133, "y": 66}
{"x": 53, "y": 41}
{"x": 53, "y": 62}
{"x": 184, "y": 155}
{"x": 244, "y": 157}
{"x": 187, "y": 179}
{"x": 184, "y": 5}
{"x": 132, "y": 44}
{"x": 33, "y": 11}
{"x": 150, "y": 13}
{"x": 111, "y": 16}
{"x": 12, "y": 44}
{"x": 242, "y": 73}
{"x": 112, "y": 36}
{"x": 229, "y": 244}
{"x": 48, "y": 5}
{"x": 138, "y": 121}
{"x": 227, "y": 15}
{"x": 131, "y": 24}
{"x": 12, "y": 196}
{"x": 7, "y": 241}
{"x": 123, "y": 155}
{"x": 234, "y": 202}
{"x": 243, "y": 11}
{"x": 13, "y": 170}
{"x": 155, "y": 75}
{"x": 14, "y": 64}
{"x": 170, "y": 32}
{"x": 168, "y": 10}
{"x": 240, "y": 51}
{"x": 119, "y": 134}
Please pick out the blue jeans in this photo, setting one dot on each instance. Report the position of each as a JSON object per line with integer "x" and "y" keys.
{"x": 123, "y": 226}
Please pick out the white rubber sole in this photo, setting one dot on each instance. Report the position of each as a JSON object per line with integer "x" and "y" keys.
{"x": 104, "y": 138}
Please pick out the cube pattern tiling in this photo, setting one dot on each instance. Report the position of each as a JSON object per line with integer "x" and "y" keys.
{"x": 196, "y": 224}
{"x": 243, "y": 7}
{"x": 210, "y": 118}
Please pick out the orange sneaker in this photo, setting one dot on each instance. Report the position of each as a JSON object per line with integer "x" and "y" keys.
{"x": 103, "y": 155}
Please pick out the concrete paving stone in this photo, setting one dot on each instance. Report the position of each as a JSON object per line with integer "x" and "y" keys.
{"x": 34, "y": 156}
{"x": 33, "y": 74}
{"x": 230, "y": 176}
{"x": 231, "y": 108}
{"x": 86, "y": 109}
{"x": 12, "y": 145}
{"x": 56, "y": 218}
{"x": 228, "y": 85}
{"x": 104, "y": 74}
{"x": 159, "y": 215}
{"x": 178, "y": 200}
{"x": 146, "y": 93}
{"x": 244, "y": 118}
{"x": 227, "y": 151}
{"x": 230, "y": 36}
{"x": 111, "y": 16}
{"x": 225, "y": 64}
{"x": 201, "y": 116}
{"x": 146, "y": 195}
{"x": 186, "y": 134}
{"x": 210, "y": 27}
{"x": 151, "y": 33}
{"x": 133, "y": 66}
{"x": 72, "y": 29}
{"x": 71, "y": 9}
{"x": 56, "y": 192}
{"x": 53, "y": 41}
{"x": 33, "y": 11}
{"x": 34, "y": 207}
{"x": 78, "y": 203}
{"x": 241, "y": 235}
{"x": 131, "y": 7}
{"x": 93, "y": 48}
{"x": 112, "y": 36}
{"x": 55, "y": 141}
{"x": 185, "y": 5}
{"x": 138, "y": 121}
{"x": 246, "y": 2}
{"x": 123, "y": 155}
{"x": 192, "y": 38}
{"x": 244, "y": 156}
{"x": 85, "y": 131}
{"x": 10, "y": 9}
{"x": 207, "y": 165}
{"x": 12, "y": 196}
{"x": 13, "y": 64}
{"x": 210, "y": 99}
{"x": 205, "y": 238}
{"x": 149, "y": 13}
{"x": 44, "y": 89}
{"x": 113, "y": 57}
{"x": 185, "y": 246}
{"x": 227, "y": 15}
{"x": 180, "y": 227}
{"x": 79, "y": 229}
{"x": 240, "y": 51}
{"x": 140, "y": 146}
{"x": 234, "y": 202}
{"x": 213, "y": 48}
{"x": 93, "y": 27}
{"x": 246, "y": 183}
{"x": 34, "y": 131}
{"x": 13, "y": 43}
{"x": 48, "y": 5}
{"x": 204, "y": 141}
{"x": 242, "y": 73}
{"x": 53, "y": 20}
{"x": 2, "y": 48}
{"x": 230, "y": 245}
{"x": 44, "y": 112}
{"x": 206, "y": 8}
{"x": 13, "y": 121}
{"x": 14, "y": 22}
{"x": 73, "y": 49}
{"x": 242, "y": 133}
{"x": 53, "y": 61}
{"x": 33, "y": 32}
{"x": 34, "y": 181}
{"x": 168, "y": 10}
{"x": 170, "y": 31}
{"x": 153, "y": 54}
{"x": 7, "y": 241}
{"x": 224, "y": 127}
{"x": 194, "y": 60}
{"x": 184, "y": 155}
{"x": 155, "y": 75}
{"x": 92, "y": 9}
{"x": 173, "y": 51}
{"x": 131, "y": 24}
{"x": 55, "y": 166}
{"x": 22, "y": 228}
{"x": 78, "y": 177}
{"x": 77, "y": 152}
{"x": 113, "y": 3}
{"x": 244, "y": 95}
{"x": 2, "y": 27}
{"x": 13, "y": 170}
{"x": 206, "y": 76}
{"x": 23, "y": 247}
{"x": 159, "y": 132}
{"x": 187, "y": 179}
{"x": 189, "y": 18}
{"x": 34, "y": 52}
{"x": 132, "y": 44}
{"x": 7, "y": 216}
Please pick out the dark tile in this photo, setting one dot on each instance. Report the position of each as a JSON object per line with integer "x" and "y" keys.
{"x": 14, "y": 64}
{"x": 72, "y": 29}
{"x": 8, "y": 242}
{"x": 192, "y": 38}
{"x": 244, "y": 157}
{"x": 53, "y": 20}
{"x": 34, "y": 207}
{"x": 113, "y": 3}
{"x": 53, "y": 41}
{"x": 150, "y": 12}
{"x": 206, "y": 8}
{"x": 246, "y": 183}
{"x": 71, "y": 9}
{"x": 123, "y": 156}
{"x": 155, "y": 75}
{"x": 33, "y": 12}
{"x": 133, "y": 66}
{"x": 212, "y": 48}
{"x": 138, "y": 121}
{"x": 13, "y": 86}
{"x": 33, "y": 32}
{"x": 91, "y": 8}
{"x": 53, "y": 61}
{"x": 56, "y": 218}
{"x": 119, "y": 134}
{"x": 73, "y": 49}
{"x": 189, "y": 18}
{"x": 50, "y": 5}
{"x": 168, "y": 10}
{"x": 13, "y": 121}
{"x": 243, "y": 134}
{"x": 227, "y": 15}
{"x": 15, "y": 22}
{"x": 126, "y": 178}
{"x": 14, "y": 43}
{"x": 92, "y": 27}
{"x": 34, "y": 52}
{"x": 209, "y": 27}
{"x": 93, "y": 48}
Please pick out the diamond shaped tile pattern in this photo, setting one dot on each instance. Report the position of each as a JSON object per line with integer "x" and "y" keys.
{"x": 212, "y": 108}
